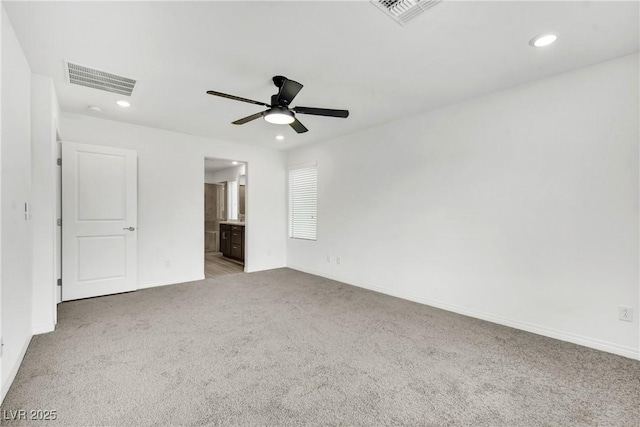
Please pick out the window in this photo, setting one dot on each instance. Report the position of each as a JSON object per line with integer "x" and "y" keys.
{"x": 303, "y": 202}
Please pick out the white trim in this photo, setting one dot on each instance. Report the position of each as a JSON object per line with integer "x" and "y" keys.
{"x": 263, "y": 268}
{"x": 14, "y": 370}
{"x": 630, "y": 352}
{"x": 170, "y": 282}
{"x": 43, "y": 329}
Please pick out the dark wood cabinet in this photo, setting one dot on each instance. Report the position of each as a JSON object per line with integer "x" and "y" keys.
{"x": 225, "y": 239}
{"x": 236, "y": 251}
{"x": 232, "y": 241}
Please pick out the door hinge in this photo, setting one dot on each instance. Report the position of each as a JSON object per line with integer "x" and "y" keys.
{"x": 59, "y": 282}
{"x": 59, "y": 222}
{"x": 59, "y": 162}
{"x": 1, "y": 346}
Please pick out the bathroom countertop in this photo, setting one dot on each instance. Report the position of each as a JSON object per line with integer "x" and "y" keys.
{"x": 232, "y": 222}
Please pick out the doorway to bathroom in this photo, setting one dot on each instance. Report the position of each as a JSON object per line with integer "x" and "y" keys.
{"x": 225, "y": 189}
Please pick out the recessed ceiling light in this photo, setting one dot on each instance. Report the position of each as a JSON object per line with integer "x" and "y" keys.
{"x": 543, "y": 40}
{"x": 234, "y": 163}
{"x": 123, "y": 104}
{"x": 279, "y": 137}
{"x": 95, "y": 109}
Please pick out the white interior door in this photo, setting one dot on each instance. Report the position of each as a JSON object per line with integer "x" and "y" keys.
{"x": 99, "y": 220}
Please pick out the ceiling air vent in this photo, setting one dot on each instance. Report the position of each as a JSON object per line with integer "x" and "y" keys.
{"x": 402, "y": 11}
{"x": 101, "y": 80}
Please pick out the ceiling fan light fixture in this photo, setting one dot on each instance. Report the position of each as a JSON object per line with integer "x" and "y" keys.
{"x": 279, "y": 116}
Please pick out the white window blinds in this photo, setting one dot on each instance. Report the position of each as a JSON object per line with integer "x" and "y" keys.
{"x": 303, "y": 202}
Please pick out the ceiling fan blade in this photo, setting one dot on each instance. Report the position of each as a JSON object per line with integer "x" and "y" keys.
{"x": 288, "y": 91}
{"x": 298, "y": 127}
{"x": 248, "y": 118}
{"x": 322, "y": 112}
{"x": 236, "y": 98}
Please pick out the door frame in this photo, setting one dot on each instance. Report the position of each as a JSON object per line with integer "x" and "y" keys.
{"x": 247, "y": 250}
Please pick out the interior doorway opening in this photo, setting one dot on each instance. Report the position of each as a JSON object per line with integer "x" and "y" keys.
{"x": 225, "y": 212}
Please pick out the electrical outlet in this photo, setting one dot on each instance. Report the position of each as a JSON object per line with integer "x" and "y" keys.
{"x": 167, "y": 264}
{"x": 338, "y": 260}
{"x": 328, "y": 258}
{"x": 625, "y": 313}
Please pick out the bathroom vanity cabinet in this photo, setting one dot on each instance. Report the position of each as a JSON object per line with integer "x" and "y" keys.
{"x": 232, "y": 240}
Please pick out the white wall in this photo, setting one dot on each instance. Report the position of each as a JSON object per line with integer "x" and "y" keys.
{"x": 16, "y": 191}
{"x": 44, "y": 118}
{"x": 519, "y": 207}
{"x": 171, "y": 197}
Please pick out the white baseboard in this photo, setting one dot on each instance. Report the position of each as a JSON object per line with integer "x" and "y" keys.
{"x": 172, "y": 281}
{"x": 251, "y": 269}
{"x": 14, "y": 369}
{"x": 43, "y": 329}
{"x": 597, "y": 344}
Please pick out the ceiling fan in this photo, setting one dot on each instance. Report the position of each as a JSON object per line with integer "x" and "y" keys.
{"x": 279, "y": 111}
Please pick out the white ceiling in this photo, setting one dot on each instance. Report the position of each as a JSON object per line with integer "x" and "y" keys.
{"x": 216, "y": 165}
{"x": 348, "y": 55}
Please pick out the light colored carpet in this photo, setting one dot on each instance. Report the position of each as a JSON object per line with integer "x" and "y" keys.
{"x": 286, "y": 348}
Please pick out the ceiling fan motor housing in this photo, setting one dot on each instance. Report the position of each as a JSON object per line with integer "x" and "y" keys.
{"x": 279, "y": 82}
{"x": 275, "y": 101}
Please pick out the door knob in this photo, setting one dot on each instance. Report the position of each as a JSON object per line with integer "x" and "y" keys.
{"x": 129, "y": 228}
